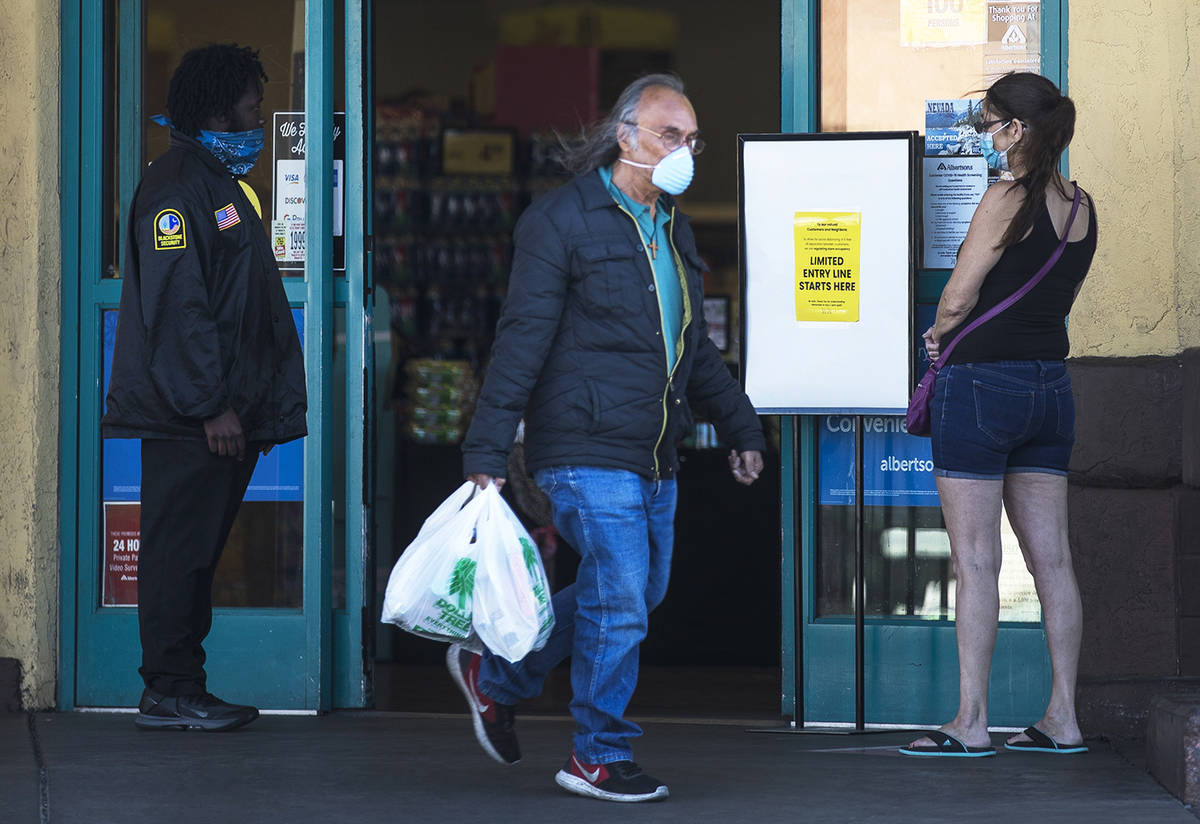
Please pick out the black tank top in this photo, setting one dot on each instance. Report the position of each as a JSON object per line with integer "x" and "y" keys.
{"x": 1033, "y": 328}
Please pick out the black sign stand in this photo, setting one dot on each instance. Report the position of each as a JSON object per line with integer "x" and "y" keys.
{"x": 797, "y": 725}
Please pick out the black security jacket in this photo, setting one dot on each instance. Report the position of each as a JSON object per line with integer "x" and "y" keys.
{"x": 204, "y": 323}
{"x": 579, "y": 348}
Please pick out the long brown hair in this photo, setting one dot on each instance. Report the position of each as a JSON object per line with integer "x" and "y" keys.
{"x": 1049, "y": 119}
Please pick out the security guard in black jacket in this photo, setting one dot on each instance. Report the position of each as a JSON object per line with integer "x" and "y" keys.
{"x": 207, "y": 369}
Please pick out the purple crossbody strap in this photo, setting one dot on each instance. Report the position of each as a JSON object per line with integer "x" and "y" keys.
{"x": 1020, "y": 293}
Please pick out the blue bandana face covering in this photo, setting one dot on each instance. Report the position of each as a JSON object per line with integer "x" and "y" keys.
{"x": 238, "y": 151}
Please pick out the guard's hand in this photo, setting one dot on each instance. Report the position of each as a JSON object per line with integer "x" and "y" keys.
{"x": 746, "y": 466}
{"x": 480, "y": 480}
{"x": 932, "y": 347}
{"x": 224, "y": 434}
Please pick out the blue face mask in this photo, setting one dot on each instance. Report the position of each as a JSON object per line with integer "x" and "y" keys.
{"x": 995, "y": 159}
{"x": 238, "y": 151}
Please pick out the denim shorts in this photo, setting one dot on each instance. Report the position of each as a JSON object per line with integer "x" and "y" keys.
{"x": 989, "y": 419}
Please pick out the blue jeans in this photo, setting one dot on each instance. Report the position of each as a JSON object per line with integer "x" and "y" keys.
{"x": 623, "y": 526}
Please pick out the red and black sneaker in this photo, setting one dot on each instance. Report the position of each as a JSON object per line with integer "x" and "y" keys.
{"x": 493, "y": 721}
{"x": 618, "y": 781}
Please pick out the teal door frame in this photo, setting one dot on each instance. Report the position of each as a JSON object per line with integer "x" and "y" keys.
{"x": 307, "y": 658}
{"x": 354, "y": 626}
{"x": 895, "y": 649}
{"x": 318, "y": 351}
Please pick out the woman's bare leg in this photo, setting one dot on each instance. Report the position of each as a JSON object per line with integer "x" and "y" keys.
{"x": 971, "y": 509}
{"x": 1037, "y": 508}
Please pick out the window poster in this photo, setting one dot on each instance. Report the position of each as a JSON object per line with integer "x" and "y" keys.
{"x": 122, "y": 541}
{"x": 289, "y": 211}
{"x": 941, "y": 23}
{"x": 950, "y": 127}
{"x": 951, "y": 194}
{"x": 897, "y": 466}
{"x": 955, "y": 177}
{"x": 1014, "y": 38}
{"x": 827, "y": 265}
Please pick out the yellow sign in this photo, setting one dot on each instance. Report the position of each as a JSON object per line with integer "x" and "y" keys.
{"x": 932, "y": 23}
{"x": 827, "y": 270}
{"x": 477, "y": 153}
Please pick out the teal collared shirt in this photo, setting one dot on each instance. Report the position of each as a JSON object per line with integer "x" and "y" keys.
{"x": 667, "y": 281}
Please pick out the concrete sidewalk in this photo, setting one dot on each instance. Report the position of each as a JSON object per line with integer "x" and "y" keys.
{"x": 376, "y": 767}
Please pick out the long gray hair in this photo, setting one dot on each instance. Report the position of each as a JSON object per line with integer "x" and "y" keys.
{"x": 598, "y": 144}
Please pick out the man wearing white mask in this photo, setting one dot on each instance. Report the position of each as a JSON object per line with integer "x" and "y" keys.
{"x": 602, "y": 348}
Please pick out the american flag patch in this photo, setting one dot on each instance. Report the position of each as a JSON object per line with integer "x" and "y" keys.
{"x": 227, "y": 217}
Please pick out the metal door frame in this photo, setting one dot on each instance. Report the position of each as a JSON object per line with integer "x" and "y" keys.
{"x": 335, "y": 669}
{"x": 827, "y": 643}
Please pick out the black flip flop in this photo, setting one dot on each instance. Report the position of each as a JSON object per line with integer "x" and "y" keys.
{"x": 1040, "y": 742}
{"x": 947, "y": 746}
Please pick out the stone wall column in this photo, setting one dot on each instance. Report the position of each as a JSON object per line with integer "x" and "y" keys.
{"x": 30, "y": 269}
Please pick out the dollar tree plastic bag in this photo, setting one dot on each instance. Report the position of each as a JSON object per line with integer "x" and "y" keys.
{"x": 512, "y": 613}
{"x": 432, "y": 586}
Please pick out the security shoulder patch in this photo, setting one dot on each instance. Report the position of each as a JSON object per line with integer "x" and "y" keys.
{"x": 169, "y": 230}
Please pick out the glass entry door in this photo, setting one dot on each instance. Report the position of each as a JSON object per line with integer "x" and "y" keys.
{"x": 878, "y": 65}
{"x": 273, "y": 637}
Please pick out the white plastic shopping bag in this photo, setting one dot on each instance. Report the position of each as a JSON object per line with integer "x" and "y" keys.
{"x": 431, "y": 589}
{"x": 512, "y": 613}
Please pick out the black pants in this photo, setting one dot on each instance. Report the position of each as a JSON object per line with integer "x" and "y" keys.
{"x": 189, "y": 500}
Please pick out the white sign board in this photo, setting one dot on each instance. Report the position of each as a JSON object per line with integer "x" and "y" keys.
{"x": 827, "y": 271}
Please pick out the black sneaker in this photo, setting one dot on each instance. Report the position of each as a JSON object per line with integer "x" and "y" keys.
{"x": 493, "y": 721}
{"x": 618, "y": 781}
{"x": 191, "y": 712}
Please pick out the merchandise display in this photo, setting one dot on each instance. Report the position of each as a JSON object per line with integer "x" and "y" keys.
{"x": 441, "y": 395}
{"x": 443, "y": 248}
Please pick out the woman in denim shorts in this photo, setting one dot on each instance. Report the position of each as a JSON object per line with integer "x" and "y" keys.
{"x": 1002, "y": 413}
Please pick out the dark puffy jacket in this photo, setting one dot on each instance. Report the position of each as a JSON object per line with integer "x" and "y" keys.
{"x": 579, "y": 348}
{"x": 204, "y": 323}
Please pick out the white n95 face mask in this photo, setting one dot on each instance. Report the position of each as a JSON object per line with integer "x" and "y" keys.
{"x": 672, "y": 174}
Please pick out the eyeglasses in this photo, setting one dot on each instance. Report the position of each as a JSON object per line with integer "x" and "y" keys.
{"x": 672, "y": 139}
{"x": 986, "y": 126}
